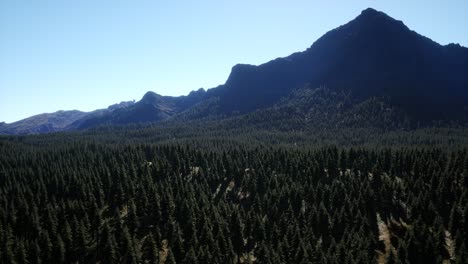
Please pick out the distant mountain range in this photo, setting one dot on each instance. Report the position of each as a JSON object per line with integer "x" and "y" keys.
{"x": 57, "y": 121}
{"x": 372, "y": 71}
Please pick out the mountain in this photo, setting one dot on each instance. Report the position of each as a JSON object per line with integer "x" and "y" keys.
{"x": 371, "y": 69}
{"x": 42, "y": 123}
{"x": 374, "y": 55}
{"x": 151, "y": 108}
{"x": 57, "y": 121}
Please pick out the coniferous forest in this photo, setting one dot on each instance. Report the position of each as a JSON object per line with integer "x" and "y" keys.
{"x": 110, "y": 196}
{"x": 354, "y": 150}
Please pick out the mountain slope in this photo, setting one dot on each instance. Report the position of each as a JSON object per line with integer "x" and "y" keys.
{"x": 57, "y": 121}
{"x": 151, "y": 108}
{"x": 43, "y": 123}
{"x": 374, "y": 60}
{"x": 313, "y": 108}
{"x": 373, "y": 55}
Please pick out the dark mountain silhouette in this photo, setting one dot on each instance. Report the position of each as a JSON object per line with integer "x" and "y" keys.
{"x": 57, "y": 121}
{"x": 373, "y": 61}
{"x": 151, "y": 108}
{"x": 373, "y": 55}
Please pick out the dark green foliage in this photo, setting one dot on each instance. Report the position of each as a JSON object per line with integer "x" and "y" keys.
{"x": 222, "y": 201}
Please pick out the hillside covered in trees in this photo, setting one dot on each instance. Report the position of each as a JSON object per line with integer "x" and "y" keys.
{"x": 352, "y": 151}
{"x": 117, "y": 195}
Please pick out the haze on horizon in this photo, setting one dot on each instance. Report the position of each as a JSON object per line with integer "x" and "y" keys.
{"x": 86, "y": 55}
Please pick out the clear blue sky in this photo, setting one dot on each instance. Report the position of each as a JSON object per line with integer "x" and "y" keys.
{"x": 88, "y": 54}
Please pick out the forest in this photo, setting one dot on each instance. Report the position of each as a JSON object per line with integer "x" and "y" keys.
{"x": 166, "y": 195}
{"x": 354, "y": 150}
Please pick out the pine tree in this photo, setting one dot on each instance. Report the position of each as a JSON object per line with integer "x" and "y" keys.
{"x": 46, "y": 247}
{"x": 59, "y": 250}
{"x": 128, "y": 250}
{"x": 151, "y": 250}
{"x": 191, "y": 257}
{"x": 22, "y": 255}
{"x": 170, "y": 258}
{"x": 108, "y": 246}
{"x": 236, "y": 229}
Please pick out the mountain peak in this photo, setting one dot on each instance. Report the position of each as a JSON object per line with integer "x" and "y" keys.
{"x": 150, "y": 93}
{"x": 370, "y": 12}
{"x": 150, "y": 96}
{"x": 200, "y": 91}
{"x": 239, "y": 71}
{"x": 377, "y": 19}
{"x": 369, "y": 26}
